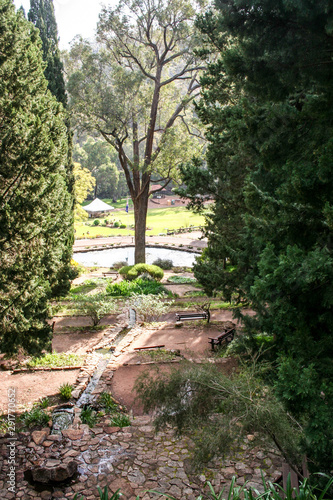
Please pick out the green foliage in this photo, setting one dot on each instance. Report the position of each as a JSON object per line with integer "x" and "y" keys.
{"x": 204, "y": 403}
{"x": 41, "y": 14}
{"x": 267, "y": 104}
{"x": 107, "y": 402}
{"x": 138, "y": 286}
{"x": 139, "y": 269}
{"x": 66, "y": 391}
{"x": 96, "y": 222}
{"x": 35, "y": 190}
{"x": 55, "y": 359}
{"x": 150, "y": 307}
{"x": 89, "y": 416}
{"x": 163, "y": 263}
{"x": 95, "y": 306}
{"x": 120, "y": 420}
{"x": 104, "y": 495}
{"x": 35, "y": 417}
{"x": 181, "y": 279}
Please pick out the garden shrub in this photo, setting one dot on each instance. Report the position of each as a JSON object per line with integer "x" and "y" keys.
{"x": 122, "y": 226}
{"x": 116, "y": 224}
{"x": 96, "y": 222}
{"x": 150, "y": 307}
{"x": 124, "y": 271}
{"x": 138, "y": 286}
{"x": 154, "y": 271}
{"x": 163, "y": 263}
{"x": 95, "y": 306}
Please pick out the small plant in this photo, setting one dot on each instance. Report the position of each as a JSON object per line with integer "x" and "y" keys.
{"x": 120, "y": 420}
{"x": 44, "y": 403}
{"x": 163, "y": 263}
{"x": 107, "y": 402}
{"x": 122, "y": 226}
{"x": 96, "y": 222}
{"x": 181, "y": 279}
{"x": 139, "y": 286}
{"x": 133, "y": 272}
{"x": 96, "y": 306}
{"x": 150, "y": 307}
{"x": 35, "y": 417}
{"x": 104, "y": 495}
{"x": 89, "y": 416}
{"x": 66, "y": 391}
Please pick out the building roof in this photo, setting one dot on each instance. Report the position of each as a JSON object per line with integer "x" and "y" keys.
{"x": 98, "y": 206}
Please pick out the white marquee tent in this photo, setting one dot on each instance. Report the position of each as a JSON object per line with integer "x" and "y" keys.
{"x": 98, "y": 206}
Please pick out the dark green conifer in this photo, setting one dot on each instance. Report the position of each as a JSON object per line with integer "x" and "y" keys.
{"x": 41, "y": 14}
{"x": 35, "y": 203}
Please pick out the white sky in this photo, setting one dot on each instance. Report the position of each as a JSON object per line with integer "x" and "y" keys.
{"x": 74, "y": 17}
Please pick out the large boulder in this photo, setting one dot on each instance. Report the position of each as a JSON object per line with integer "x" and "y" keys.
{"x": 54, "y": 472}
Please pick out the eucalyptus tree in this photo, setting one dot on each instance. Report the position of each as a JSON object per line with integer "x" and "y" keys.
{"x": 134, "y": 87}
{"x": 35, "y": 204}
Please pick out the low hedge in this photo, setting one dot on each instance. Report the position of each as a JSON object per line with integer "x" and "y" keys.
{"x": 133, "y": 272}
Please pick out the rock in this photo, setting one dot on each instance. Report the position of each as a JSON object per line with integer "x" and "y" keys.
{"x": 58, "y": 473}
{"x": 39, "y": 436}
{"x": 136, "y": 477}
{"x": 73, "y": 434}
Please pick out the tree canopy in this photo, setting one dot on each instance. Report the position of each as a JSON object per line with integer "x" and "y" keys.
{"x": 134, "y": 88}
{"x": 267, "y": 103}
{"x": 35, "y": 203}
{"x": 41, "y": 14}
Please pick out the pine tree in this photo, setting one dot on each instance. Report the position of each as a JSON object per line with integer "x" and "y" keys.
{"x": 41, "y": 14}
{"x": 35, "y": 204}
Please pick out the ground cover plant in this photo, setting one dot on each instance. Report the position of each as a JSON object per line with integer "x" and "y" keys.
{"x": 181, "y": 279}
{"x": 66, "y": 391}
{"x": 138, "y": 286}
{"x": 55, "y": 360}
{"x": 149, "y": 270}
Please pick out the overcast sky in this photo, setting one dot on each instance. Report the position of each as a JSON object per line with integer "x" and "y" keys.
{"x": 74, "y": 17}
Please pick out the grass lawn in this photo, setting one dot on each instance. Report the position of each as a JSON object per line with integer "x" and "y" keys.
{"x": 158, "y": 221}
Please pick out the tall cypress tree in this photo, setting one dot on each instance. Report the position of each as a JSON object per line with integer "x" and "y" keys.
{"x": 41, "y": 14}
{"x": 35, "y": 203}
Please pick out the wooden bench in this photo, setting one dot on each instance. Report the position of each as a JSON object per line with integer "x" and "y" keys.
{"x": 226, "y": 336}
{"x": 193, "y": 316}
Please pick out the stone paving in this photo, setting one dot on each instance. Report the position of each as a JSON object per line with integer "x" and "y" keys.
{"x": 134, "y": 459}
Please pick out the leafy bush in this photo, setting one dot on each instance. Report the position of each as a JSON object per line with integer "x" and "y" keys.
{"x": 153, "y": 271}
{"x": 95, "y": 306}
{"x": 139, "y": 286}
{"x": 181, "y": 279}
{"x": 124, "y": 270}
{"x": 150, "y": 307}
{"x": 116, "y": 224}
{"x": 89, "y": 416}
{"x": 96, "y": 222}
{"x": 35, "y": 417}
{"x": 122, "y": 226}
{"x": 107, "y": 402}
{"x": 163, "y": 263}
{"x": 120, "y": 420}
{"x": 66, "y": 391}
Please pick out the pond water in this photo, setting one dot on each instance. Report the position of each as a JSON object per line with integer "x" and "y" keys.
{"x": 106, "y": 258}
